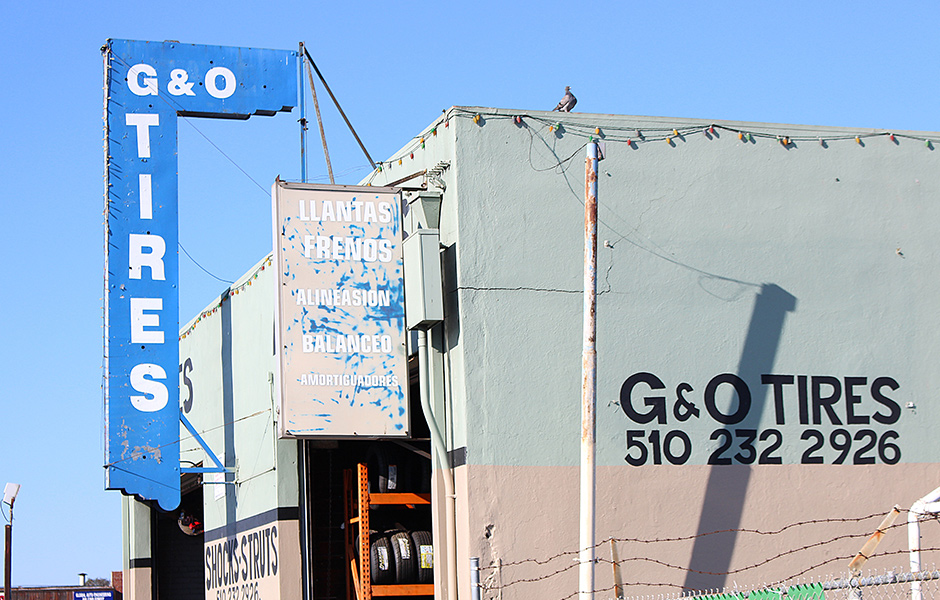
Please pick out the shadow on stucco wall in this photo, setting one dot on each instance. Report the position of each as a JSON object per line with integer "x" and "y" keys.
{"x": 727, "y": 484}
{"x": 228, "y": 405}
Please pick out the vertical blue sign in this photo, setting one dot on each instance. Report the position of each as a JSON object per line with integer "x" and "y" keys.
{"x": 147, "y": 86}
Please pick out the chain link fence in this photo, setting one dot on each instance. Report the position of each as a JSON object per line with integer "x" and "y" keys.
{"x": 888, "y": 586}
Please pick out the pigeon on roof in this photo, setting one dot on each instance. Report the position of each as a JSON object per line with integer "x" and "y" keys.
{"x": 568, "y": 102}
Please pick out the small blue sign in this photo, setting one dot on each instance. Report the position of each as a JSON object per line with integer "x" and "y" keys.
{"x": 93, "y": 595}
{"x": 148, "y": 85}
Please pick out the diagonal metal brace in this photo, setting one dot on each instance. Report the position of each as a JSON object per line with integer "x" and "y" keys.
{"x": 218, "y": 468}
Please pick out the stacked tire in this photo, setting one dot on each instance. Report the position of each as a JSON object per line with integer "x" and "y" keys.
{"x": 395, "y": 470}
{"x": 380, "y": 557}
{"x": 424, "y": 549}
{"x": 383, "y": 470}
{"x": 400, "y": 556}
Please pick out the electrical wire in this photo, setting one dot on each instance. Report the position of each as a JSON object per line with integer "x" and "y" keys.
{"x": 347, "y": 171}
{"x": 206, "y": 271}
{"x": 181, "y": 439}
{"x": 178, "y": 108}
{"x": 222, "y": 152}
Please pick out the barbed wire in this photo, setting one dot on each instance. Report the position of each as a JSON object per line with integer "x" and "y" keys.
{"x": 696, "y": 536}
{"x": 756, "y": 565}
{"x": 838, "y": 558}
{"x": 760, "y": 563}
{"x": 776, "y": 585}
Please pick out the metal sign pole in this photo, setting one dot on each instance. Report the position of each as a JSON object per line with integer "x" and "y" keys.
{"x": 303, "y": 115}
{"x": 8, "y": 542}
{"x": 8, "y": 556}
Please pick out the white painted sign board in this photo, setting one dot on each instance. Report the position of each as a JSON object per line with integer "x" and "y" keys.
{"x": 340, "y": 330}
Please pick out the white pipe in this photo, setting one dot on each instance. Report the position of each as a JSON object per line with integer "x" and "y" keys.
{"x": 927, "y": 505}
{"x": 913, "y": 542}
{"x": 437, "y": 440}
{"x": 589, "y": 379}
{"x": 475, "y": 590}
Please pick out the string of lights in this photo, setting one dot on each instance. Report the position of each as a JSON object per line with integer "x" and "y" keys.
{"x": 105, "y": 214}
{"x": 227, "y": 295}
{"x": 636, "y": 137}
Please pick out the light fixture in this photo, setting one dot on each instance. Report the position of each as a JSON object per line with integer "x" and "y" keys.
{"x": 10, "y": 492}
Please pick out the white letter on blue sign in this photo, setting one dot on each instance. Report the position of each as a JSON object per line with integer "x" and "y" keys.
{"x": 140, "y": 319}
{"x": 143, "y": 122}
{"x": 146, "y": 195}
{"x": 143, "y": 385}
{"x": 153, "y": 259}
{"x": 213, "y": 89}
{"x": 150, "y": 82}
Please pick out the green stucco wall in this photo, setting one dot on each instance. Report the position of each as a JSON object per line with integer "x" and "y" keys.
{"x": 717, "y": 256}
{"x": 797, "y": 262}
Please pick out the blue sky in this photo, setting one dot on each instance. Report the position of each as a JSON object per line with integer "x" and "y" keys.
{"x": 394, "y": 67}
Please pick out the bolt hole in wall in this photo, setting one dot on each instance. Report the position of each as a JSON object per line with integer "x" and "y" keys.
{"x": 401, "y": 545}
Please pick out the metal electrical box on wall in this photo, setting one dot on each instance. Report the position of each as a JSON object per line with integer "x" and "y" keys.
{"x": 424, "y": 299}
